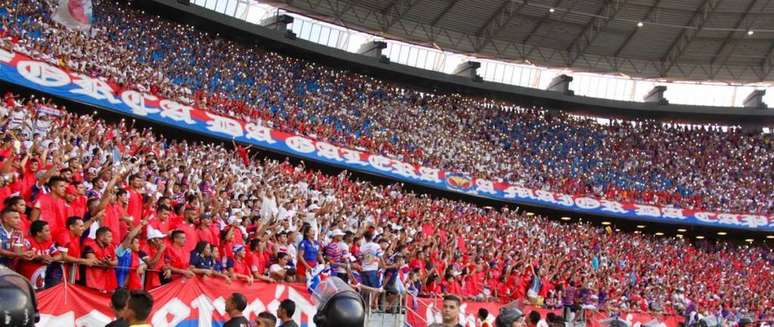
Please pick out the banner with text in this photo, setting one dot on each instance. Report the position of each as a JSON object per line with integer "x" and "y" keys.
{"x": 182, "y": 303}
{"x": 20, "y": 69}
{"x": 428, "y": 311}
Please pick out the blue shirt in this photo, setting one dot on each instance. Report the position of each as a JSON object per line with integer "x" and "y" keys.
{"x": 7, "y": 238}
{"x": 311, "y": 250}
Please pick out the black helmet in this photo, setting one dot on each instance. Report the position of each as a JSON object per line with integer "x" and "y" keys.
{"x": 338, "y": 305}
{"x": 18, "y": 306}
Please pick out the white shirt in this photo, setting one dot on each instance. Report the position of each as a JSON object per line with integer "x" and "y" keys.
{"x": 371, "y": 253}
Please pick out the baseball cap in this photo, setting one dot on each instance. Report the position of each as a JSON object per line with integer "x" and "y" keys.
{"x": 155, "y": 233}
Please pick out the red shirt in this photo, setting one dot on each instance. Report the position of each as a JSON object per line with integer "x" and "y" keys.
{"x": 33, "y": 270}
{"x": 101, "y": 278}
{"x": 177, "y": 257}
{"x": 206, "y": 234}
{"x": 134, "y": 207}
{"x": 112, "y": 220}
{"x": 191, "y": 237}
{"x": 241, "y": 267}
{"x": 52, "y": 210}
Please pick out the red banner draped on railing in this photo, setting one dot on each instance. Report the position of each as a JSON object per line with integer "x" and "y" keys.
{"x": 424, "y": 312}
{"x": 184, "y": 302}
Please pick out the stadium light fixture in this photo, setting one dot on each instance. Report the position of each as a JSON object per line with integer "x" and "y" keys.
{"x": 699, "y": 237}
{"x": 530, "y": 214}
{"x": 682, "y": 230}
{"x": 749, "y": 240}
{"x": 606, "y": 223}
{"x": 566, "y": 218}
{"x": 659, "y": 234}
{"x": 640, "y": 24}
{"x": 640, "y": 226}
{"x": 771, "y": 237}
{"x": 679, "y": 235}
{"x": 750, "y": 32}
{"x": 551, "y": 10}
{"x": 722, "y": 233}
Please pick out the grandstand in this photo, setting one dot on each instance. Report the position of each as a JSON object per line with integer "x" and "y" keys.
{"x": 197, "y": 149}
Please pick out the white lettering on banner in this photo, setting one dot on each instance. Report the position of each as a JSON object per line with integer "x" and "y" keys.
{"x": 136, "y": 101}
{"x": 706, "y": 217}
{"x": 65, "y": 319}
{"x": 259, "y": 133}
{"x": 675, "y": 213}
{"x": 176, "y": 111}
{"x": 302, "y": 306}
{"x": 6, "y": 56}
{"x": 93, "y": 318}
{"x": 754, "y": 221}
{"x": 430, "y": 174}
{"x": 587, "y": 203}
{"x": 42, "y": 73}
{"x": 206, "y": 306}
{"x": 643, "y": 210}
{"x": 275, "y": 303}
{"x": 94, "y": 87}
{"x": 176, "y": 308}
{"x": 486, "y": 186}
{"x": 225, "y": 125}
{"x": 405, "y": 169}
{"x": 612, "y": 206}
{"x": 255, "y": 307}
{"x": 300, "y": 144}
{"x": 380, "y": 162}
{"x": 565, "y": 200}
{"x": 728, "y": 218}
{"x": 545, "y": 196}
{"x": 518, "y": 191}
{"x": 328, "y": 151}
{"x": 352, "y": 157}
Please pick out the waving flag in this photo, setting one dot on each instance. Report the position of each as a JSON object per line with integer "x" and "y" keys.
{"x": 74, "y": 14}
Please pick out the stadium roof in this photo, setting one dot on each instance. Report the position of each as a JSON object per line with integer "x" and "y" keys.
{"x": 721, "y": 40}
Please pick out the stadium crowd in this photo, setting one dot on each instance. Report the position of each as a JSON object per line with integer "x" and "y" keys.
{"x": 703, "y": 168}
{"x": 102, "y": 204}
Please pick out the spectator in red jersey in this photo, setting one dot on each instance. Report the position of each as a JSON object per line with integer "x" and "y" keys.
{"x": 101, "y": 275}
{"x": 188, "y": 227}
{"x": 177, "y": 258}
{"x": 135, "y": 203}
{"x": 71, "y": 248}
{"x": 17, "y": 204}
{"x": 38, "y": 269}
{"x": 50, "y": 207}
{"x": 237, "y": 266}
{"x": 154, "y": 247}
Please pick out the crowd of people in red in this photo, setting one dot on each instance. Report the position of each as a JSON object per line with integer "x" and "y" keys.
{"x": 648, "y": 162}
{"x": 104, "y": 204}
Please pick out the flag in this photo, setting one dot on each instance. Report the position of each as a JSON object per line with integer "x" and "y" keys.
{"x": 314, "y": 277}
{"x": 74, "y": 14}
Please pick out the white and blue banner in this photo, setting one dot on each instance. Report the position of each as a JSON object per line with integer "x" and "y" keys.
{"x": 19, "y": 69}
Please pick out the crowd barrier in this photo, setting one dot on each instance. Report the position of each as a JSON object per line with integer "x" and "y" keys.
{"x": 20, "y": 69}
{"x": 200, "y": 301}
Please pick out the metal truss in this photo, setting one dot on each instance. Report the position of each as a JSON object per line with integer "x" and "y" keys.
{"x": 596, "y": 25}
{"x": 348, "y": 13}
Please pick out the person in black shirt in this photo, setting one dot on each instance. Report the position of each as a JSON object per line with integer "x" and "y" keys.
{"x": 285, "y": 313}
{"x": 234, "y": 307}
{"x": 118, "y": 302}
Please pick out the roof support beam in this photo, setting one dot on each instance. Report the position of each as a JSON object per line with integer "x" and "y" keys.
{"x": 687, "y": 35}
{"x": 443, "y": 12}
{"x": 395, "y": 11}
{"x": 595, "y": 26}
{"x": 501, "y": 17}
{"x": 539, "y": 23}
{"x": 634, "y": 31}
{"x": 729, "y": 40}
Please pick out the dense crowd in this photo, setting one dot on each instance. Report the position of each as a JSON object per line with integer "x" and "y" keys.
{"x": 638, "y": 161}
{"x": 102, "y": 204}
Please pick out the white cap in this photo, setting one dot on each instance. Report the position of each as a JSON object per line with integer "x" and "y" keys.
{"x": 155, "y": 233}
{"x": 337, "y": 232}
